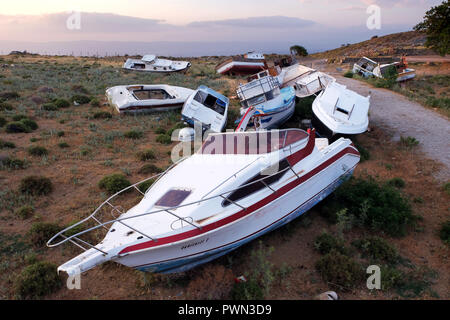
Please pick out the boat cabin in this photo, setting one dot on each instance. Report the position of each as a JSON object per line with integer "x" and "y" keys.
{"x": 262, "y": 88}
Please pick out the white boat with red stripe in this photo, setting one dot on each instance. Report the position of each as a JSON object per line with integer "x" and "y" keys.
{"x": 237, "y": 187}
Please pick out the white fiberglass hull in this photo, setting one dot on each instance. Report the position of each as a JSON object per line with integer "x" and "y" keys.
{"x": 186, "y": 254}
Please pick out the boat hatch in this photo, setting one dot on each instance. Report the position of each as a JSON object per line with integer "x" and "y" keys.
{"x": 252, "y": 142}
{"x": 158, "y": 94}
{"x": 210, "y": 102}
{"x": 173, "y": 198}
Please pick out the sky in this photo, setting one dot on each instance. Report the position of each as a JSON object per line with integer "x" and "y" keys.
{"x": 264, "y": 24}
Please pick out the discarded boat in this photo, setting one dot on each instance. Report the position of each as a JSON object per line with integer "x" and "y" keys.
{"x": 338, "y": 110}
{"x": 264, "y": 105}
{"x": 237, "y": 187}
{"x": 247, "y": 64}
{"x": 306, "y": 81}
{"x": 150, "y": 63}
{"x": 367, "y": 67}
{"x": 145, "y": 98}
{"x": 207, "y": 107}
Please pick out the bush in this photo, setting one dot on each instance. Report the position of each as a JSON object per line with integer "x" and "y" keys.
{"x": 408, "y": 142}
{"x": 37, "y": 280}
{"x": 17, "y": 127}
{"x": 63, "y": 145}
{"x": 61, "y": 103}
{"x": 340, "y": 270}
{"x": 160, "y": 130}
{"x": 35, "y": 185}
{"x": 249, "y": 290}
{"x": 164, "y": 139}
{"x": 49, "y": 107}
{"x": 6, "y": 144}
{"x": 2, "y": 121}
{"x": 446, "y": 186}
{"x": 398, "y": 183}
{"x": 19, "y": 117}
{"x": 134, "y": 134}
{"x": 348, "y": 74}
{"x": 37, "y": 151}
{"x": 102, "y": 115}
{"x": 303, "y": 109}
{"x": 379, "y": 207}
{"x": 146, "y": 155}
{"x": 364, "y": 153}
{"x": 444, "y": 233}
{"x": 60, "y": 134}
{"x": 95, "y": 102}
{"x": 80, "y": 99}
{"x": 114, "y": 183}
{"x": 325, "y": 243}
{"x": 24, "y": 212}
{"x": 377, "y": 249}
{"x": 149, "y": 169}
{"x": 12, "y": 163}
{"x": 143, "y": 187}
{"x": 30, "y": 123}
{"x": 9, "y": 95}
{"x": 5, "y": 106}
{"x": 41, "y": 232}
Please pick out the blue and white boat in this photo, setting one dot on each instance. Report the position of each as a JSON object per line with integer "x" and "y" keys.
{"x": 264, "y": 104}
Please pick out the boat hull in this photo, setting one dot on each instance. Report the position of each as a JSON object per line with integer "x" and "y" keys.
{"x": 184, "y": 255}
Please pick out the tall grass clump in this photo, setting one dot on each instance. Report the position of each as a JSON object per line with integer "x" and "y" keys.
{"x": 37, "y": 280}
{"x": 114, "y": 183}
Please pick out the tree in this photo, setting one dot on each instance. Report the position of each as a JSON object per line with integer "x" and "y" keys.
{"x": 436, "y": 25}
{"x": 301, "y": 51}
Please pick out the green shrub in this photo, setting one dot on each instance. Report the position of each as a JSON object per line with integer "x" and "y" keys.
{"x": 37, "y": 151}
{"x": 446, "y": 186}
{"x": 143, "y": 187}
{"x": 41, "y": 232}
{"x": 379, "y": 207}
{"x": 249, "y": 290}
{"x": 17, "y": 127}
{"x": 114, "y": 183}
{"x": 61, "y": 103}
{"x": 49, "y": 107}
{"x": 303, "y": 109}
{"x": 377, "y": 249}
{"x": 6, "y": 144}
{"x": 19, "y": 117}
{"x": 80, "y": 99}
{"x": 408, "y": 142}
{"x": 35, "y": 185}
{"x": 391, "y": 277}
{"x": 37, "y": 280}
{"x": 160, "y": 130}
{"x": 348, "y": 74}
{"x": 325, "y": 243}
{"x": 24, "y": 212}
{"x": 30, "y": 123}
{"x": 398, "y": 183}
{"x": 340, "y": 270}
{"x": 95, "y": 102}
{"x": 12, "y": 163}
{"x": 134, "y": 134}
{"x": 9, "y": 95}
{"x": 102, "y": 115}
{"x": 364, "y": 153}
{"x": 60, "y": 134}
{"x": 63, "y": 145}
{"x": 2, "y": 121}
{"x": 149, "y": 169}
{"x": 146, "y": 155}
{"x": 5, "y": 106}
{"x": 444, "y": 233}
{"x": 164, "y": 139}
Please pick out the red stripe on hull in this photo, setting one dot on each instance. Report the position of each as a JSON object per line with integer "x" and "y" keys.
{"x": 242, "y": 213}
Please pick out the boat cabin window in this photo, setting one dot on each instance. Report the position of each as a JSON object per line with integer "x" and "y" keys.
{"x": 173, "y": 198}
{"x": 257, "y": 183}
{"x": 158, "y": 94}
{"x": 138, "y": 66}
{"x": 256, "y": 142}
{"x": 210, "y": 102}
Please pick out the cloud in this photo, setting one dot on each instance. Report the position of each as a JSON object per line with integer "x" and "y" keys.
{"x": 256, "y": 22}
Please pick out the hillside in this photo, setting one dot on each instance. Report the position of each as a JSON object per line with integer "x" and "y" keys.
{"x": 409, "y": 43}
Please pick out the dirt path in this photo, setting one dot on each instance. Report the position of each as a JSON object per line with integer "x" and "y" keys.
{"x": 402, "y": 117}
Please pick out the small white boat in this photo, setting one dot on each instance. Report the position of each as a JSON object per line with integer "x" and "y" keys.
{"x": 146, "y": 98}
{"x": 338, "y": 110}
{"x": 249, "y": 63}
{"x": 367, "y": 67}
{"x": 207, "y": 107}
{"x": 264, "y": 105}
{"x": 237, "y": 187}
{"x": 150, "y": 63}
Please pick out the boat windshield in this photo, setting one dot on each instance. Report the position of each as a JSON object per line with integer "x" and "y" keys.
{"x": 210, "y": 102}
{"x": 256, "y": 142}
